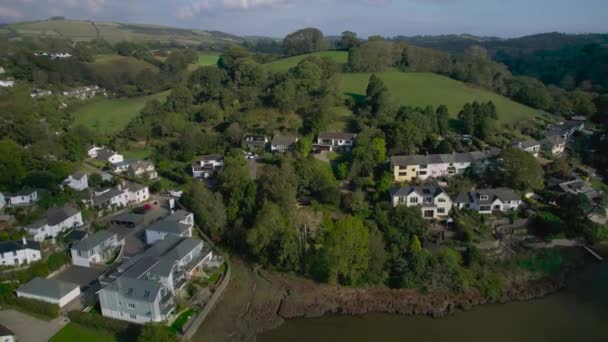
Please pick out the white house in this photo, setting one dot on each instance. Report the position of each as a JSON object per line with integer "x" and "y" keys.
{"x": 283, "y": 143}
{"x": 23, "y": 197}
{"x": 50, "y": 290}
{"x": 56, "y": 220}
{"x": 6, "y": 335}
{"x": 16, "y": 253}
{"x": 78, "y": 181}
{"x": 93, "y": 150}
{"x": 487, "y": 201}
{"x": 7, "y": 83}
{"x": 554, "y": 145}
{"x": 533, "y": 147}
{"x": 433, "y": 201}
{"x": 109, "y": 156}
{"x": 142, "y": 168}
{"x": 205, "y": 166}
{"x": 97, "y": 248}
{"x": 336, "y": 142}
{"x": 123, "y": 195}
{"x": 178, "y": 224}
{"x": 255, "y": 142}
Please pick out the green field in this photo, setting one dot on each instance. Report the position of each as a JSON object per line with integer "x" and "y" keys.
{"x": 115, "y": 64}
{"x": 341, "y": 57}
{"x": 108, "y": 116}
{"x": 75, "y": 332}
{"x": 421, "y": 89}
{"x": 204, "y": 60}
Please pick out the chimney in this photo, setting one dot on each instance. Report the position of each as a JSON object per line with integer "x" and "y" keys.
{"x": 23, "y": 240}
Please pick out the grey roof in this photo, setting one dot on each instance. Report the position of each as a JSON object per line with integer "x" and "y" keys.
{"x": 210, "y": 157}
{"x": 12, "y": 246}
{"x": 256, "y": 140}
{"x": 78, "y": 175}
{"x": 76, "y": 235}
{"x": 525, "y": 144}
{"x": 280, "y": 140}
{"x": 124, "y": 163}
{"x": 554, "y": 140}
{"x": 105, "y": 154}
{"x": 93, "y": 240}
{"x": 474, "y": 196}
{"x": 467, "y": 157}
{"x": 420, "y": 190}
{"x": 171, "y": 223}
{"x": 578, "y": 186}
{"x": 336, "y": 135}
{"x": 135, "y": 186}
{"x": 50, "y": 288}
{"x": 140, "y": 164}
{"x": 107, "y": 196}
{"x": 54, "y": 216}
{"x": 4, "y": 331}
{"x": 136, "y": 289}
{"x": 23, "y": 192}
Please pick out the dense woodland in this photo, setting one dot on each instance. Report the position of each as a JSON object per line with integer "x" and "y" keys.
{"x": 331, "y": 222}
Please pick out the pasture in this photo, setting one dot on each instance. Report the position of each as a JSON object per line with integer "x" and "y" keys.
{"x": 115, "y": 64}
{"x": 208, "y": 59}
{"x": 284, "y": 64}
{"x": 109, "y": 116}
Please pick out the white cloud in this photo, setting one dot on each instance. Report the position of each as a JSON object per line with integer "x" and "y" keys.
{"x": 200, "y": 6}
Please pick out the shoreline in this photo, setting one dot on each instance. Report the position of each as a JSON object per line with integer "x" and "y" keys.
{"x": 259, "y": 300}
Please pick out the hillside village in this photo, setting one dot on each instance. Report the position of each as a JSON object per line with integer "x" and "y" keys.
{"x": 136, "y": 229}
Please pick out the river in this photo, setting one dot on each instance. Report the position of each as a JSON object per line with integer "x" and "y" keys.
{"x": 578, "y": 313}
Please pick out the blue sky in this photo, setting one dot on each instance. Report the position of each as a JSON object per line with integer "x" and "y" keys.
{"x": 505, "y": 18}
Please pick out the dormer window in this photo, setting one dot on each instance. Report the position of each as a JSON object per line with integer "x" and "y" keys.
{"x": 484, "y": 197}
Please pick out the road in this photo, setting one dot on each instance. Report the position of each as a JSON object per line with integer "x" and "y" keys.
{"x": 30, "y": 329}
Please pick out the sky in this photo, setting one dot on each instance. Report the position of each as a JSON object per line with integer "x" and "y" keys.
{"x": 503, "y": 18}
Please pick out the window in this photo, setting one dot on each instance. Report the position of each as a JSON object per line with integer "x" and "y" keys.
{"x": 440, "y": 210}
{"x": 485, "y": 208}
{"x": 414, "y": 200}
{"x": 402, "y": 174}
{"x": 428, "y": 199}
{"x": 133, "y": 316}
{"x": 429, "y": 214}
{"x": 422, "y": 173}
{"x": 131, "y": 306}
{"x": 423, "y": 166}
{"x": 484, "y": 197}
{"x": 146, "y": 294}
{"x": 441, "y": 200}
{"x": 129, "y": 291}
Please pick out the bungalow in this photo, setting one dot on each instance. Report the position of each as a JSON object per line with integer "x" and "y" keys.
{"x": 205, "y": 166}
{"x": 97, "y": 248}
{"x": 50, "y": 290}
{"x": 23, "y": 197}
{"x": 434, "y": 202}
{"x": 143, "y": 168}
{"x": 78, "y": 181}
{"x": 283, "y": 143}
{"x": 532, "y": 147}
{"x": 487, "y": 201}
{"x": 109, "y": 156}
{"x": 178, "y": 224}
{"x": 335, "y": 142}
{"x": 408, "y": 168}
{"x": 16, "y": 253}
{"x": 256, "y": 143}
{"x": 55, "y": 221}
{"x": 554, "y": 145}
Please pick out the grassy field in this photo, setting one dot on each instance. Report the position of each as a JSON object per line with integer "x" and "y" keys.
{"x": 204, "y": 60}
{"x": 109, "y": 116}
{"x": 341, "y": 57}
{"x": 75, "y": 332}
{"x": 79, "y": 30}
{"x": 115, "y": 64}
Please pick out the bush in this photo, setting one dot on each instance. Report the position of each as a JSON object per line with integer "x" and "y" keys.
{"x": 95, "y": 321}
{"x": 56, "y": 260}
{"x": 36, "y": 307}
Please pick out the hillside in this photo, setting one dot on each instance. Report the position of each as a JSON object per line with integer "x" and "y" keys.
{"x": 419, "y": 89}
{"x": 115, "y": 32}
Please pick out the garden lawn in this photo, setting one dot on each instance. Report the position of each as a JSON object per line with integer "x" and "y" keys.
{"x": 422, "y": 89}
{"x": 74, "y": 332}
{"x": 284, "y": 64}
{"x": 109, "y": 116}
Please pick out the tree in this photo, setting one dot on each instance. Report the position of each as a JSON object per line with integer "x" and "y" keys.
{"x": 347, "y": 251}
{"x": 520, "y": 170}
{"x": 155, "y": 332}
{"x": 12, "y": 171}
{"x": 208, "y": 209}
{"x": 303, "y": 41}
{"x": 444, "y": 147}
{"x": 443, "y": 119}
{"x": 371, "y": 56}
{"x": 348, "y": 40}
{"x": 180, "y": 100}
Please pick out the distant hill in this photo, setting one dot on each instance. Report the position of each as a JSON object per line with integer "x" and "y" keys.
{"x": 79, "y": 30}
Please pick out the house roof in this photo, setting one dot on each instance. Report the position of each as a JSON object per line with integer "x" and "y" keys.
{"x": 105, "y": 154}
{"x": 420, "y": 190}
{"x": 140, "y": 164}
{"x": 257, "y": 140}
{"x": 23, "y": 192}
{"x": 13, "y": 246}
{"x": 467, "y": 157}
{"x": 280, "y": 140}
{"x": 210, "y": 157}
{"x": 336, "y": 135}
{"x": 169, "y": 226}
{"x": 76, "y": 235}
{"x": 93, "y": 240}
{"x": 474, "y": 196}
{"x": 525, "y": 144}
{"x": 134, "y": 187}
{"x": 106, "y": 196}
{"x": 4, "y": 331}
{"x": 55, "y": 215}
{"x": 136, "y": 289}
{"x": 78, "y": 175}
{"x": 50, "y": 288}
{"x": 554, "y": 140}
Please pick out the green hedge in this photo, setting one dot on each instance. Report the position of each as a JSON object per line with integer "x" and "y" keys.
{"x": 36, "y": 307}
{"x": 95, "y": 321}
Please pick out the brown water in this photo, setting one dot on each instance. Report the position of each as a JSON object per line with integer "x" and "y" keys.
{"x": 579, "y": 313}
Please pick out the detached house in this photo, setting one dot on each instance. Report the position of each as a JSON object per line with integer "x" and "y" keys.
{"x": 487, "y": 201}
{"x": 335, "y": 142}
{"x": 408, "y": 168}
{"x": 205, "y": 166}
{"x": 16, "y": 253}
{"x": 255, "y": 143}
{"x": 533, "y": 147}
{"x": 142, "y": 168}
{"x": 179, "y": 224}
{"x": 554, "y": 145}
{"x": 283, "y": 143}
{"x": 23, "y": 197}
{"x": 123, "y": 195}
{"x": 55, "y": 221}
{"x": 434, "y": 202}
{"x": 93, "y": 150}
{"x": 78, "y": 181}
{"x": 97, "y": 248}
{"x": 141, "y": 290}
{"x": 109, "y": 156}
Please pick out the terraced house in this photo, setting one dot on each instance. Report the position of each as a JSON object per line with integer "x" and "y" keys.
{"x": 421, "y": 167}
{"x": 433, "y": 201}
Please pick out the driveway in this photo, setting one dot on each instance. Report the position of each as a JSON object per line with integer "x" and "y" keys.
{"x": 30, "y": 329}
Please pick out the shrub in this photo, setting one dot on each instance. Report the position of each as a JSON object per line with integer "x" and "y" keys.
{"x": 96, "y": 321}
{"x": 37, "y": 307}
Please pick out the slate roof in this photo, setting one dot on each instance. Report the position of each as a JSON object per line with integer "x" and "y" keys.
{"x": 136, "y": 289}
{"x": 335, "y": 135}
{"x": 4, "y": 331}
{"x": 78, "y": 175}
{"x": 13, "y": 246}
{"x": 474, "y": 196}
{"x": 76, "y": 235}
{"x": 93, "y": 240}
{"x": 134, "y": 187}
{"x": 284, "y": 140}
{"x": 23, "y": 192}
{"x": 107, "y": 196}
{"x": 210, "y": 157}
{"x": 140, "y": 164}
{"x": 169, "y": 226}
{"x": 50, "y": 288}
{"x": 104, "y": 154}
{"x": 525, "y": 144}
{"x": 420, "y": 190}
{"x": 255, "y": 140}
{"x": 467, "y": 157}
{"x": 55, "y": 215}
